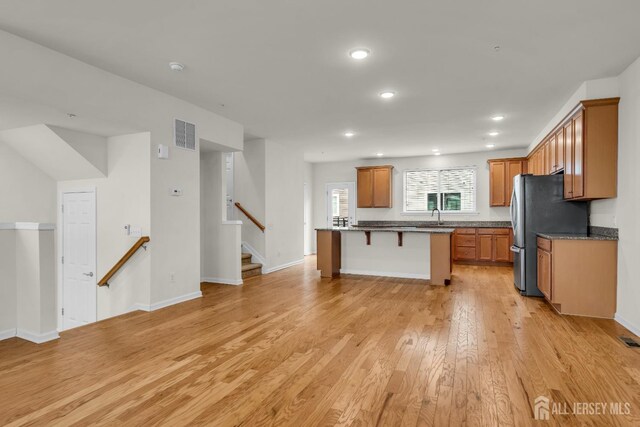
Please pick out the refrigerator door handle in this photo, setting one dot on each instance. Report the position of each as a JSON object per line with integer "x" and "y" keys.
{"x": 512, "y": 208}
{"x": 515, "y": 249}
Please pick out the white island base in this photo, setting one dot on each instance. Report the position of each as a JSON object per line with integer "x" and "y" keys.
{"x": 402, "y": 253}
{"x": 383, "y": 257}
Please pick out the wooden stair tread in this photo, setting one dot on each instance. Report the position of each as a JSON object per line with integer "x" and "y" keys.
{"x": 246, "y": 255}
{"x": 251, "y": 266}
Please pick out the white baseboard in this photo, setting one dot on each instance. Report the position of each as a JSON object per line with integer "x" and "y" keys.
{"x": 37, "y": 338}
{"x": 9, "y": 333}
{"x": 221, "y": 281}
{"x": 386, "y": 274}
{"x": 257, "y": 255}
{"x": 282, "y": 266}
{"x": 167, "y": 302}
{"x": 630, "y": 326}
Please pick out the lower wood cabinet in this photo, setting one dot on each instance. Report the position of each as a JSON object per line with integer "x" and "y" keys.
{"x": 482, "y": 245}
{"x": 578, "y": 277}
{"x": 544, "y": 272}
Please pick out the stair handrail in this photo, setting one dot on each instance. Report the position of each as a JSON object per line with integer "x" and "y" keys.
{"x": 139, "y": 244}
{"x": 251, "y": 217}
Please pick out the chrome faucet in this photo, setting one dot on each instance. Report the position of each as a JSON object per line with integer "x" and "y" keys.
{"x": 433, "y": 211}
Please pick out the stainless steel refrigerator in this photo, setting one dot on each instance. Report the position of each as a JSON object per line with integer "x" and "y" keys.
{"x": 538, "y": 206}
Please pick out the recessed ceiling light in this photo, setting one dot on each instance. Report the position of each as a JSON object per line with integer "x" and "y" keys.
{"x": 349, "y": 134}
{"x": 387, "y": 94}
{"x": 436, "y": 154}
{"x": 71, "y": 115}
{"x": 359, "y": 53}
{"x": 497, "y": 118}
{"x": 494, "y": 133}
{"x": 176, "y": 66}
{"x": 491, "y": 145}
{"x": 379, "y": 154}
{"x": 435, "y": 150}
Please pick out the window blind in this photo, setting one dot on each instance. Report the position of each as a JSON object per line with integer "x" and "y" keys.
{"x": 458, "y": 189}
{"x": 452, "y": 190}
{"x": 418, "y": 185}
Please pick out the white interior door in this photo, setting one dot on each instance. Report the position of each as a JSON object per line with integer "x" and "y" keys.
{"x": 341, "y": 204}
{"x": 79, "y": 290}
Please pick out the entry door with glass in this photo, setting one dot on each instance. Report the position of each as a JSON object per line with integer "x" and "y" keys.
{"x": 341, "y": 204}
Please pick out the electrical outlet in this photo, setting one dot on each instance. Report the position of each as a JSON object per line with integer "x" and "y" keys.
{"x": 172, "y": 277}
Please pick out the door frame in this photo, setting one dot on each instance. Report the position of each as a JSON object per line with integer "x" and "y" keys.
{"x": 351, "y": 186}
{"x": 307, "y": 211}
{"x": 60, "y": 249}
{"x": 229, "y": 188}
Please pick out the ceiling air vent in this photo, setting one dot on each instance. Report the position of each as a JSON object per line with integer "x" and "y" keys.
{"x": 185, "y": 135}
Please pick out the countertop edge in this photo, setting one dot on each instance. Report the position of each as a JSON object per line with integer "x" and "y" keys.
{"x": 392, "y": 230}
{"x": 560, "y": 236}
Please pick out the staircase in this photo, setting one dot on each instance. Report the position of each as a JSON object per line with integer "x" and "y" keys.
{"x": 250, "y": 269}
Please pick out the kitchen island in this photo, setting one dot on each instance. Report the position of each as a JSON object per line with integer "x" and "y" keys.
{"x": 404, "y": 252}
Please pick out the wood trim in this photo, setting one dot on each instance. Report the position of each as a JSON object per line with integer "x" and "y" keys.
{"x": 507, "y": 159}
{"x": 375, "y": 167}
{"x": 600, "y": 102}
{"x": 140, "y": 243}
{"x": 251, "y": 217}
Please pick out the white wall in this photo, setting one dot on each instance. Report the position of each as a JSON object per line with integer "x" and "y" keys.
{"x": 27, "y": 193}
{"x": 269, "y": 183}
{"x": 591, "y": 89}
{"x": 122, "y": 198}
{"x": 284, "y": 205}
{"x": 8, "y": 296}
{"x": 325, "y": 173}
{"x": 249, "y": 176}
{"x": 35, "y": 285}
{"x": 220, "y": 240}
{"x": 103, "y": 102}
{"x": 310, "y": 234}
{"x": 622, "y": 212}
{"x": 27, "y": 286}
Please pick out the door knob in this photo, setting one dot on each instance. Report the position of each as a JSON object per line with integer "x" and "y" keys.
{"x": 88, "y": 274}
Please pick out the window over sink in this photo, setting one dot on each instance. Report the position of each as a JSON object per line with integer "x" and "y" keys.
{"x": 452, "y": 190}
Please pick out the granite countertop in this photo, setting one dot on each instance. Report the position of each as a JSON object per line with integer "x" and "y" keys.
{"x": 434, "y": 224}
{"x": 563, "y": 236}
{"x": 440, "y": 230}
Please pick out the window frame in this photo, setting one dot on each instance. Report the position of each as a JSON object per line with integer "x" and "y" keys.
{"x": 439, "y": 193}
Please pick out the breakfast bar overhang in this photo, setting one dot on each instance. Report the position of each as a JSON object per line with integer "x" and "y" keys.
{"x": 404, "y": 252}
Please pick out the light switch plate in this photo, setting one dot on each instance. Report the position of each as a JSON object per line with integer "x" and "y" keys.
{"x": 163, "y": 151}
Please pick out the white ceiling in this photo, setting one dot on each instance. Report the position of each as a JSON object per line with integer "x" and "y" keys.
{"x": 281, "y": 68}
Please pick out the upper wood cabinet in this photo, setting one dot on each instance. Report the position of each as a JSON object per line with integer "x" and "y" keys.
{"x": 375, "y": 186}
{"x": 585, "y": 146}
{"x": 501, "y": 173}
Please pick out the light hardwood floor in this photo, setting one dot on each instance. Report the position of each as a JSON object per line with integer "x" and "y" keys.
{"x": 290, "y": 348}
